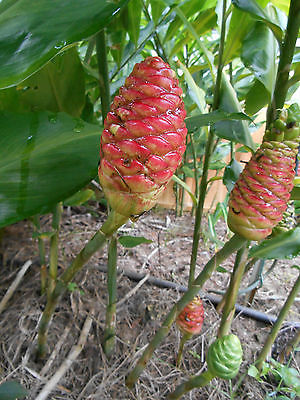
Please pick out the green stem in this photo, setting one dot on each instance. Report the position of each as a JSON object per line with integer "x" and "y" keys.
{"x": 283, "y": 313}
{"x": 158, "y": 45}
{"x": 182, "y": 190}
{"x": 232, "y": 292}
{"x": 195, "y": 382}
{"x": 112, "y": 224}
{"x": 285, "y": 61}
{"x": 208, "y": 152}
{"x": 231, "y": 246}
{"x": 42, "y": 255}
{"x": 53, "y": 256}
{"x": 184, "y": 338}
{"x": 109, "y": 337}
{"x": 194, "y": 153}
{"x": 103, "y": 73}
{"x": 89, "y": 50}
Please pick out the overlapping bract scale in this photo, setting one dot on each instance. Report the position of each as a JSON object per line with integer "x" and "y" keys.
{"x": 261, "y": 194}
{"x": 190, "y": 319}
{"x": 143, "y": 139}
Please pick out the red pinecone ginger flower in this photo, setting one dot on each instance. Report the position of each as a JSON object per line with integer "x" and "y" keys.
{"x": 260, "y": 195}
{"x": 143, "y": 139}
{"x": 190, "y": 319}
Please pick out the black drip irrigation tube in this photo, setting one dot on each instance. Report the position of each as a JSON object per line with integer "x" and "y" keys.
{"x": 240, "y": 310}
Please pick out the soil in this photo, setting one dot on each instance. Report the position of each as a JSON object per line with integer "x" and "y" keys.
{"x": 91, "y": 375}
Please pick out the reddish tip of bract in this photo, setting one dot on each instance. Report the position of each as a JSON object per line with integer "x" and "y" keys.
{"x": 190, "y": 319}
{"x": 143, "y": 139}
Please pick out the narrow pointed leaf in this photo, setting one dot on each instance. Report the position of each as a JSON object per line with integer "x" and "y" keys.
{"x": 195, "y": 122}
{"x": 185, "y": 187}
{"x": 31, "y": 33}
{"x": 133, "y": 241}
{"x": 286, "y": 245}
{"x": 236, "y": 131}
{"x": 45, "y": 158}
{"x": 197, "y": 94}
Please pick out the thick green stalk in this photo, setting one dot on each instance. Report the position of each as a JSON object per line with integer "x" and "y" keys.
{"x": 232, "y": 292}
{"x": 195, "y": 382}
{"x": 208, "y": 152}
{"x": 230, "y": 247}
{"x": 42, "y": 254}
{"x": 52, "y": 276}
{"x": 109, "y": 337}
{"x": 112, "y": 224}
{"x": 103, "y": 73}
{"x": 285, "y": 61}
{"x": 283, "y": 313}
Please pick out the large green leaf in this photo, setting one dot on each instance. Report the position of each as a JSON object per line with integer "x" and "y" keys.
{"x": 286, "y": 245}
{"x": 256, "y": 11}
{"x": 236, "y": 131}
{"x": 32, "y": 32}
{"x": 52, "y": 88}
{"x": 259, "y": 54}
{"x": 196, "y": 121}
{"x": 240, "y": 24}
{"x": 256, "y": 98}
{"x": 45, "y": 158}
{"x": 12, "y": 390}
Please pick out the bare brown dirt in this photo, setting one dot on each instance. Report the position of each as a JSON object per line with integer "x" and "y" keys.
{"x": 92, "y": 375}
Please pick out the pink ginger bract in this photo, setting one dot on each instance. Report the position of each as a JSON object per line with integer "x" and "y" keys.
{"x": 143, "y": 138}
{"x": 190, "y": 319}
{"x": 261, "y": 194}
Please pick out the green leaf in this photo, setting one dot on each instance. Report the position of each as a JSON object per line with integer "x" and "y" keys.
{"x": 189, "y": 8}
{"x": 185, "y": 187}
{"x": 253, "y": 371}
{"x": 286, "y": 245}
{"x": 236, "y": 131}
{"x": 256, "y": 98}
{"x": 197, "y": 94}
{"x": 157, "y": 8}
{"x": 45, "y": 159}
{"x": 51, "y": 88}
{"x": 31, "y": 33}
{"x": 195, "y": 122}
{"x": 79, "y": 198}
{"x": 204, "y": 22}
{"x": 282, "y": 4}
{"x": 222, "y": 270}
{"x": 259, "y": 54}
{"x": 231, "y": 174}
{"x": 131, "y": 17}
{"x": 43, "y": 235}
{"x": 257, "y": 12}
{"x": 132, "y": 241}
{"x": 295, "y": 194}
{"x": 12, "y": 390}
